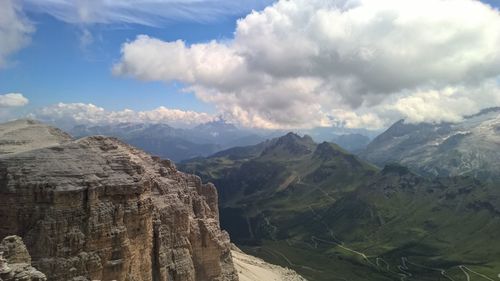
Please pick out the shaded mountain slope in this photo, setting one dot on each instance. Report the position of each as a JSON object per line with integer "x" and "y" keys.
{"x": 324, "y": 212}
{"x": 158, "y": 139}
{"x": 174, "y": 143}
{"x": 352, "y": 142}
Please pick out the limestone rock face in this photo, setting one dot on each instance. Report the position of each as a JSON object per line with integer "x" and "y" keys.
{"x": 23, "y": 135}
{"x": 15, "y": 262}
{"x": 98, "y": 209}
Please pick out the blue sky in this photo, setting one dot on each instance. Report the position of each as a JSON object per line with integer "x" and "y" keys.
{"x": 74, "y": 46}
{"x": 55, "y": 67}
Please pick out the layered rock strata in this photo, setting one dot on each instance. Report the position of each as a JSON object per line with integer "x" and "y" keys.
{"x": 98, "y": 209}
{"x": 15, "y": 262}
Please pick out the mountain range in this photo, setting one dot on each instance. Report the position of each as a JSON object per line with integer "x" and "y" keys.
{"x": 180, "y": 144}
{"x": 470, "y": 147}
{"x": 417, "y": 203}
{"x": 96, "y": 208}
{"x": 176, "y": 144}
{"x": 325, "y": 212}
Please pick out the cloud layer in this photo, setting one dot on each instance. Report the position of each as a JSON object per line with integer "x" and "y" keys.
{"x": 12, "y": 100}
{"x": 144, "y": 12}
{"x": 15, "y": 30}
{"x": 70, "y": 114}
{"x": 305, "y": 63}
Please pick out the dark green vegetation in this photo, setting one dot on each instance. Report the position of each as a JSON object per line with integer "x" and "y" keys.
{"x": 332, "y": 216}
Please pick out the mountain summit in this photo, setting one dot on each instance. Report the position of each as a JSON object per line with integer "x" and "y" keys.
{"x": 290, "y": 145}
{"x": 470, "y": 147}
{"x": 325, "y": 212}
{"x": 26, "y": 134}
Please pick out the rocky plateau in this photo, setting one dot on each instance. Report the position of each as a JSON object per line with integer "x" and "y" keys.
{"x": 98, "y": 209}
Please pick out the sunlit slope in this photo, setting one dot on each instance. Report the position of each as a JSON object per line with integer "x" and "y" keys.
{"x": 470, "y": 147}
{"x": 331, "y": 216}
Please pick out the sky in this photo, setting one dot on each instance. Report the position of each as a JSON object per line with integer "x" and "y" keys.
{"x": 255, "y": 63}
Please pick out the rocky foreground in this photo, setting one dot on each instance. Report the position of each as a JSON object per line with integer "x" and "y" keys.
{"x": 98, "y": 209}
{"x": 15, "y": 262}
{"x": 251, "y": 268}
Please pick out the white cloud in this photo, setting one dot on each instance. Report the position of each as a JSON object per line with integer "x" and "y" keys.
{"x": 69, "y": 114}
{"x": 86, "y": 38}
{"x": 351, "y": 119}
{"x": 305, "y": 63}
{"x": 144, "y": 12}
{"x": 12, "y": 100}
{"x": 449, "y": 104}
{"x": 14, "y": 30}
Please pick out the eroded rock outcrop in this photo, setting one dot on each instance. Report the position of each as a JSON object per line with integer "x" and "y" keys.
{"x": 15, "y": 262}
{"x": 98, "y": 209}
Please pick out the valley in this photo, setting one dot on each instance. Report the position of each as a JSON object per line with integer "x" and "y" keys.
{"x": 314, "y": 208}
{"x": 257, "y": 140}
{"x": 325, "y": 212}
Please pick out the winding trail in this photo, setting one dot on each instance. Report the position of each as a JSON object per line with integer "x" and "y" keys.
{"x": 364, "y": 256}
{"x": 326, "y": 194}
{"x": 465, "y": 272}
{"x": 440, "y": 270}
{"x": 465, "y": 268}
{"x": 379, "y": 259}
{"x": 403, "y": 268}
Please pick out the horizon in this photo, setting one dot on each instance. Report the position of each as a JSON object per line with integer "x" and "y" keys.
{"x": 253, "y": 140}
{"x": 85, "y": 62}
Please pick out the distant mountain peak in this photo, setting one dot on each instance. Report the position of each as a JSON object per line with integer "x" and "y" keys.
{"x": 470, "y": 147}
{"x": 24, "y": 121}
{"x": 353, "y": 142}
{"x": 27, "y": 134}
{"x": 291, "y": 143}
{"x": 326, "y": 150}
{"x": 291, "y": 136}
{"x": 484, "y": 112}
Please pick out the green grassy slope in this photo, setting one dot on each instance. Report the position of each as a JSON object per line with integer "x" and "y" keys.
{"x": 330, "y": 216}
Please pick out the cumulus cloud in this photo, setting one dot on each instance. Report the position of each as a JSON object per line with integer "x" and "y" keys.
{"x": 15, "y": 29}
{"x": 144, "y": 12}
{"x": 449, "y": 104}
{"x": 69, "y": 114}
{"x": 305, "y": 63}
{"x": 12, "y": 100}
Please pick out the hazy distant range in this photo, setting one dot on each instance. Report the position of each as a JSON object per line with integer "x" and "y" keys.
{"x": 180, "y": 144}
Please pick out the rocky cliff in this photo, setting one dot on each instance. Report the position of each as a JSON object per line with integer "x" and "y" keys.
{"x": 15, "y": 262}
{"x": 98, "y": 209}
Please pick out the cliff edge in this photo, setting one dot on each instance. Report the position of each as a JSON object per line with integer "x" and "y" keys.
{"x": 98, "y": 209}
